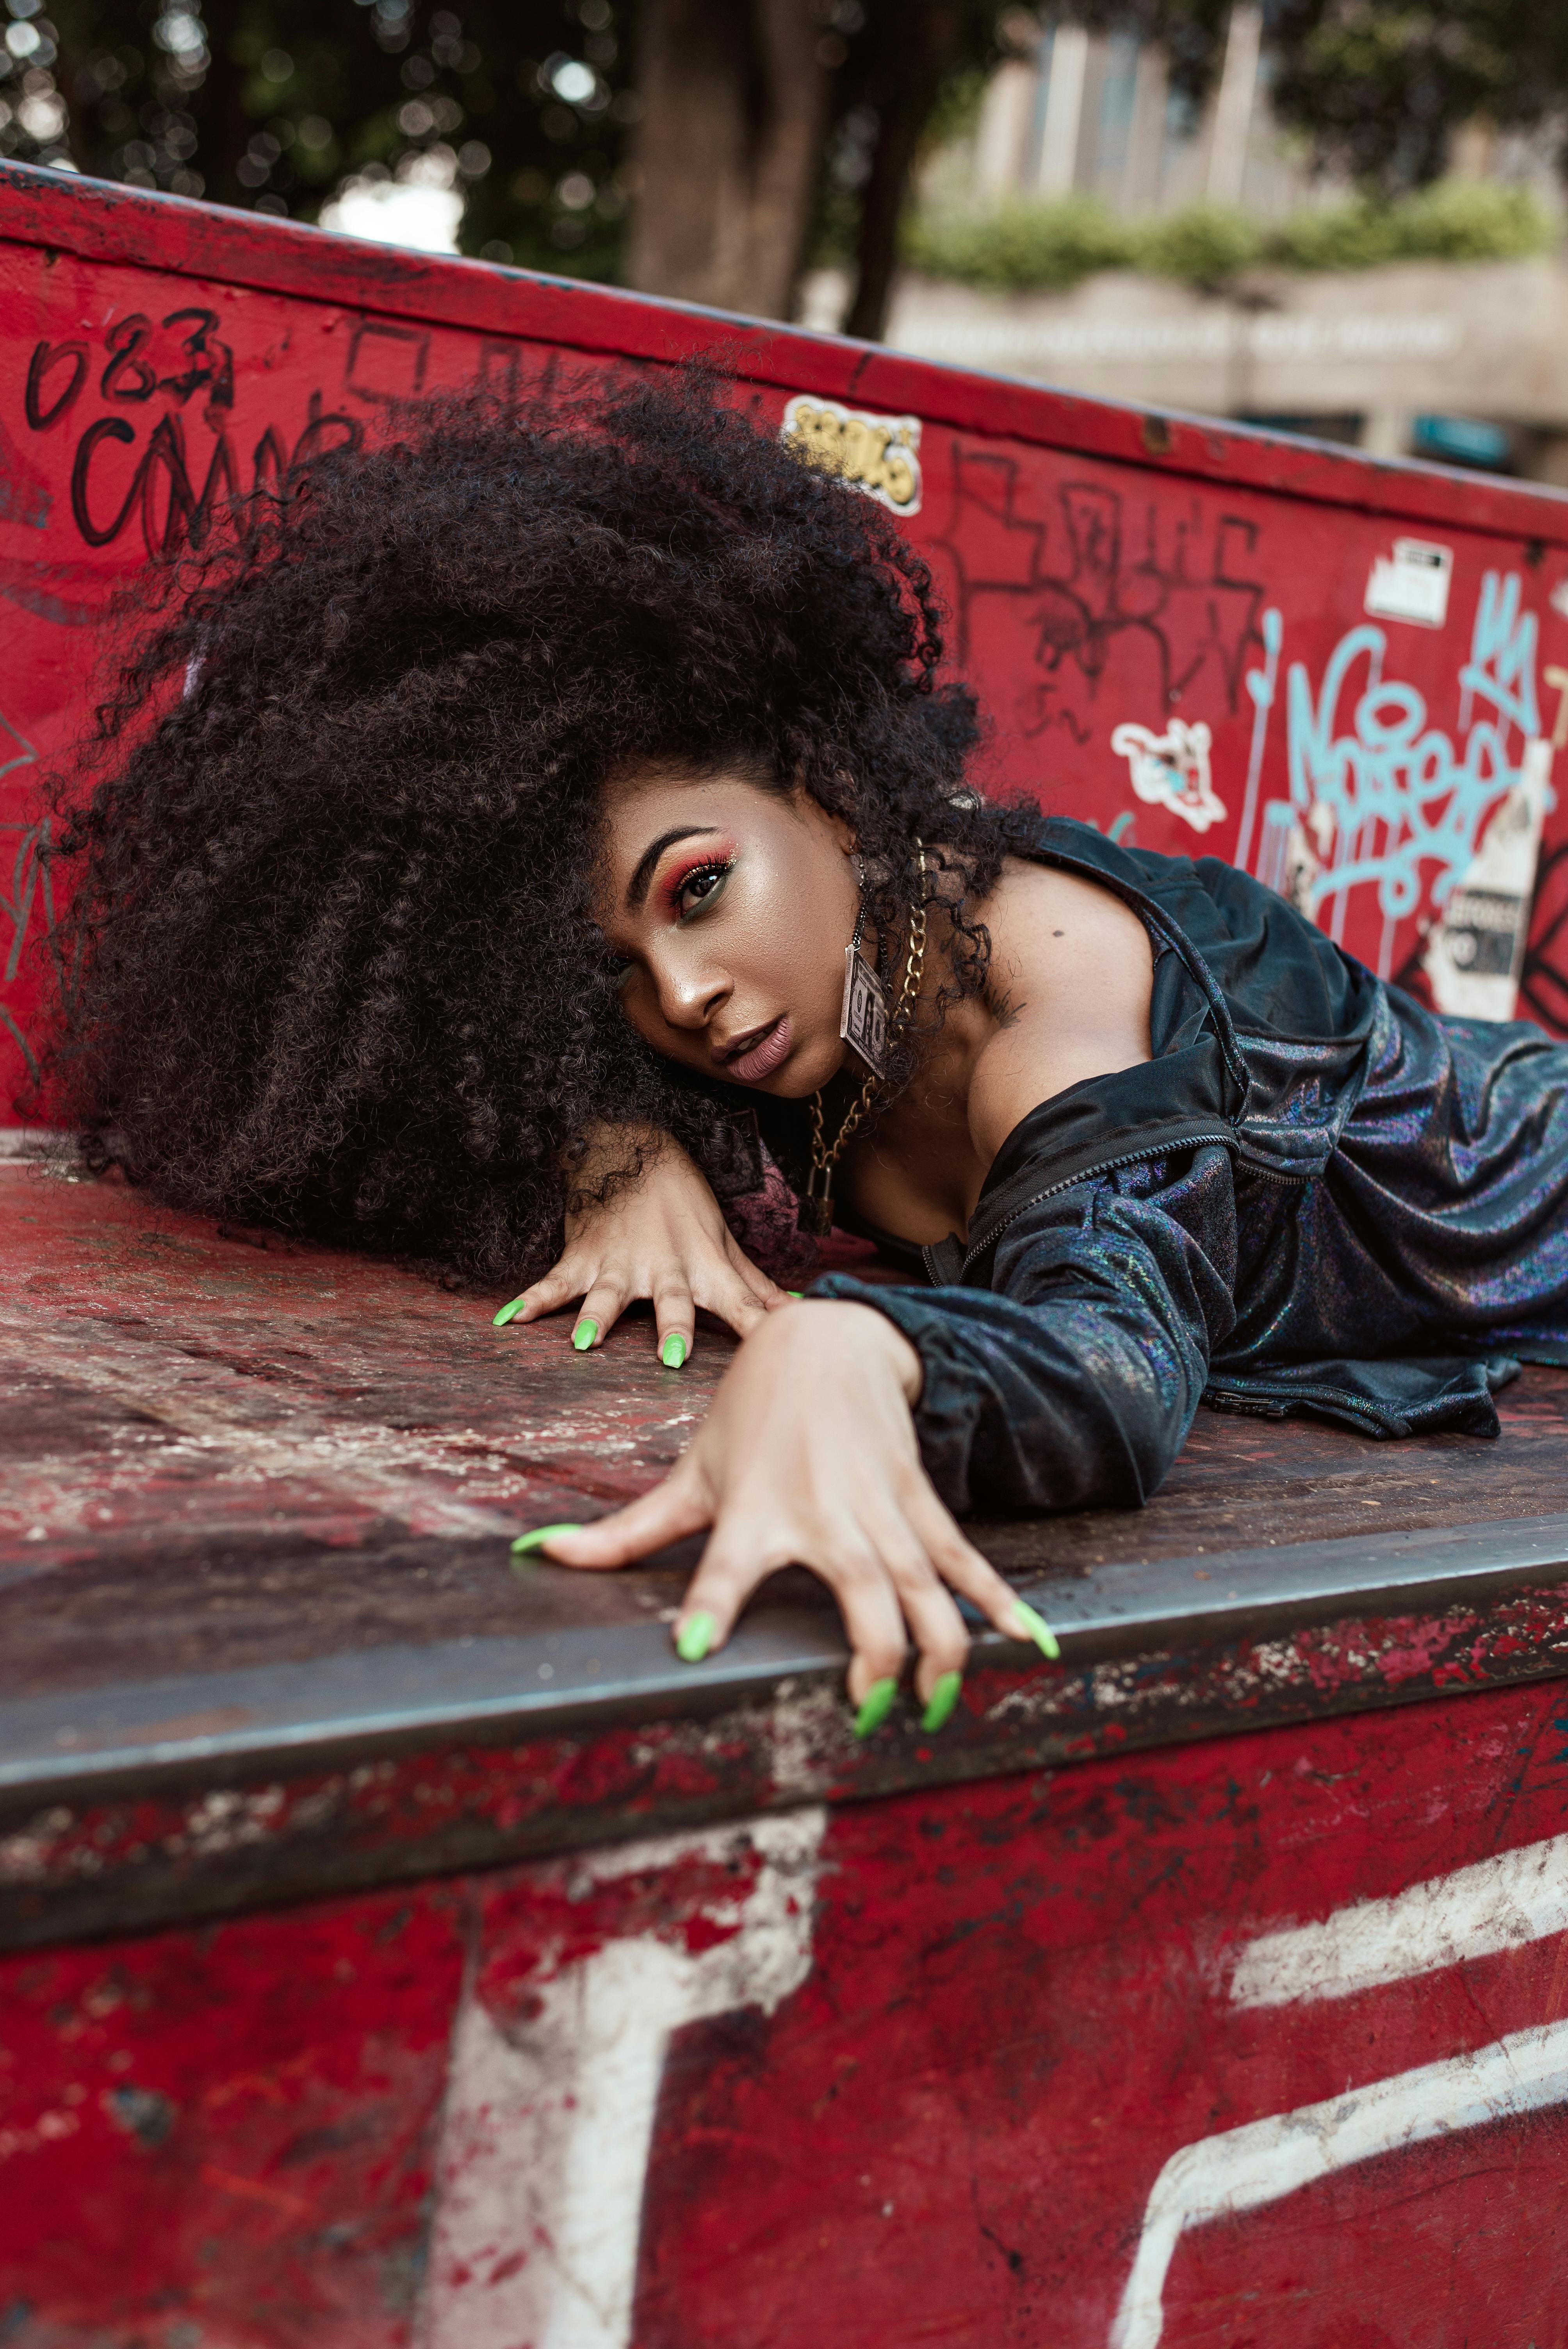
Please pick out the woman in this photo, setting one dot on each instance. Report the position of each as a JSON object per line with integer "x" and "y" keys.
{"x": 543, "y": 816}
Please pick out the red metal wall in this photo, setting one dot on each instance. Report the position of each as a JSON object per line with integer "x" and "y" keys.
{"x": 1169, "y": 623}
{"x": 1261, "y": 2041}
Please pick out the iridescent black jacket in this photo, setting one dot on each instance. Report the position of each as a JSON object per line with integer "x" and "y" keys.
{"x": 1315, "y": 1197}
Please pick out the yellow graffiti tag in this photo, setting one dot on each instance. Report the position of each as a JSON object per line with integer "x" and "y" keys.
{"x": 875, "y": 453}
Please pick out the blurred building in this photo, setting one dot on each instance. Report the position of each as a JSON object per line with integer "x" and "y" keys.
{"x": 1466, "y": 363}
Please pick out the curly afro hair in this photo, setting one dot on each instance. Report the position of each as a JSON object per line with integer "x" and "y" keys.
{"x": 337, "y": 967}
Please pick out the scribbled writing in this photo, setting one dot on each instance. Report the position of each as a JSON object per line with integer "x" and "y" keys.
{"x": 1051, "y": 597}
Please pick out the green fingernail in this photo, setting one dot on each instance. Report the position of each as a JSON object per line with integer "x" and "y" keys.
{"x": 1038, "y": 1630}
{"x": 539, "y": 1537}
{"x": 673, "y": 1352}
{"x": 508, "y": 1313}
{"x": 940, "y": 1703}
{"x": 877, "y": 1705}
{"x": 582, "y": 1337}
{"x": 794, "y": 1292}
{"x": 694, "y": 1638}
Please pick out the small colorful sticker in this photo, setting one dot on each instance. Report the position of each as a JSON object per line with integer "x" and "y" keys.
{"x": 1411, "y": 585}
{"x": 878, "y": 454}
{"x": 1171, "y": 769}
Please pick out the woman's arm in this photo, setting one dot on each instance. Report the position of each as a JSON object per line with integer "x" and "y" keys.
{"x": 1072, "y": 1381}
{"x": 849, "y": 1429}
{"x": 663, "y": 1237}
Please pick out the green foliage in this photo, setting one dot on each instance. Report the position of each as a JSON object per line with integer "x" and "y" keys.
{"x": 1019, "y": 247}
{"x": 1355, "y": 235}
{"x": 1453, "y": 219}
{"x": 1046, "y": 247}
{"x": 1201, "y": 245}
{"x": 1471, "y": 220}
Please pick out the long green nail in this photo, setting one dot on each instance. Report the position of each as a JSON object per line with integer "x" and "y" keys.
{"x": 940, "y": 1703}
{"x": 582, "y": 1337}
{"x": 509, "y": 1312}
{"x": 794, "y": 1292}
{"x": 874, "y": 1710}
{"x": 539, "y": 1537}
{"x": 1038, "y": 1630}
{"x": 673, "y": 1352}
{"x": 694, "y": 1638}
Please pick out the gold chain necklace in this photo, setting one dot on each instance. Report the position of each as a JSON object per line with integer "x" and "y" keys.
{"x": 816, "y": 1214}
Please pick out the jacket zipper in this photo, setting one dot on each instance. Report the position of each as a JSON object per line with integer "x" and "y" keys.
{"x": 1088, "y": 1175}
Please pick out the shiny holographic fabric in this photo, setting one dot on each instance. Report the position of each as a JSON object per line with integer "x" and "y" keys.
{"x": 1318, "y": 1195}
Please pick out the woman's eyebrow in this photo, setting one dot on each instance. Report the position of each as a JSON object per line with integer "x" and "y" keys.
{"x": 637, "y": 888}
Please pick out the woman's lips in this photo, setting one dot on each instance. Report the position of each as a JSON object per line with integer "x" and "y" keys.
{"x": 760, "y": 1059}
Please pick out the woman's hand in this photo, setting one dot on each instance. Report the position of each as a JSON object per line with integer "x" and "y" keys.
{"x": 809, "y": 1456}
{"x": 663, "y": 1237}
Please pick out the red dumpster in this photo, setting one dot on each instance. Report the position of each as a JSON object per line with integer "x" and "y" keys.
{"x": 400, "y": 1950}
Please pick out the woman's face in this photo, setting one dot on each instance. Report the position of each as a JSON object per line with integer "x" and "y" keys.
{"x": 732, "y": 906}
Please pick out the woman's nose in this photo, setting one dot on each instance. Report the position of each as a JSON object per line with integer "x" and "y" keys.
{"x": 691, "y": 994}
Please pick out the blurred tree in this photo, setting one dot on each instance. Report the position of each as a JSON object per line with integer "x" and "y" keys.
{"x": 685, "y": 145}
{"x": 726, "y": 157}
{"x": 523, "y": 104}
{"x": 771, "y": 124}
{"x": 1382, "y": 90}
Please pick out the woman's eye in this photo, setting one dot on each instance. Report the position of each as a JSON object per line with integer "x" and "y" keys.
{"x": 698, "y": 887}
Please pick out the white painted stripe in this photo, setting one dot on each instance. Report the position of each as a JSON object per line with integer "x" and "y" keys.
{"x": 548, "y": 2126}
{"x": 1497, "y": 1904}
{"x": 1246, "y": 2167}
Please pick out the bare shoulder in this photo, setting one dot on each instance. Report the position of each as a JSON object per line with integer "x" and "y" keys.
{"x": 1071, "y": 975}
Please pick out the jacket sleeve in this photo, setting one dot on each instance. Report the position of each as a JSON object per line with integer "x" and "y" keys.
{"x": 1071, "y": 1382}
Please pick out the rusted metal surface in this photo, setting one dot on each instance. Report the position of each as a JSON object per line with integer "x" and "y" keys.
{"x": 260, "y": 1632}
{"x": 1260, "y": 2040}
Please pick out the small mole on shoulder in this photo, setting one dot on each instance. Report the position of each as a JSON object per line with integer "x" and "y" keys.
{"x": 1059, "y": 934}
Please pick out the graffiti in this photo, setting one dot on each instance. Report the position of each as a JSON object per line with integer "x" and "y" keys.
{"x": 1171, "y": 769}
{"x": 1163, "y": 586}
{"x": 1261, "y": 686}
{"x": 171, "y": 510}
{"x": 182, "y": 356}
{"x": 1384, "y": 794}
{"x": 878, "y": 454}
{"x": 549, "y": 2125}
{"x": 1498, "y": 1904}
{"x": 44, "y": 411}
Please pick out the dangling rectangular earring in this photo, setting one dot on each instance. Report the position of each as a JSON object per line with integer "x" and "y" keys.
{"x": 863, "y": 1022}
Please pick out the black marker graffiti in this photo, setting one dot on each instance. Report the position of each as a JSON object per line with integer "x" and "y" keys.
{"x": 42, "y": 417}
{"x": 1101, "y": 573}
{"x": 173, "y": 512}
{"x": 128, "y": 375}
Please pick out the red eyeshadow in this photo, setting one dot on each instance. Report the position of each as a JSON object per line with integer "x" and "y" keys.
{"x": 713, "y": 852}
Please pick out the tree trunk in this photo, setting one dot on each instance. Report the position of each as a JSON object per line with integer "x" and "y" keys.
{"x": 902, "y": 92}
{"x": 728, "y": 151}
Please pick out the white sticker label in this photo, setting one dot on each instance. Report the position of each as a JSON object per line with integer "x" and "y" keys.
{"x": 1412, "y": 584}
{"x": 878, "y": 454}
